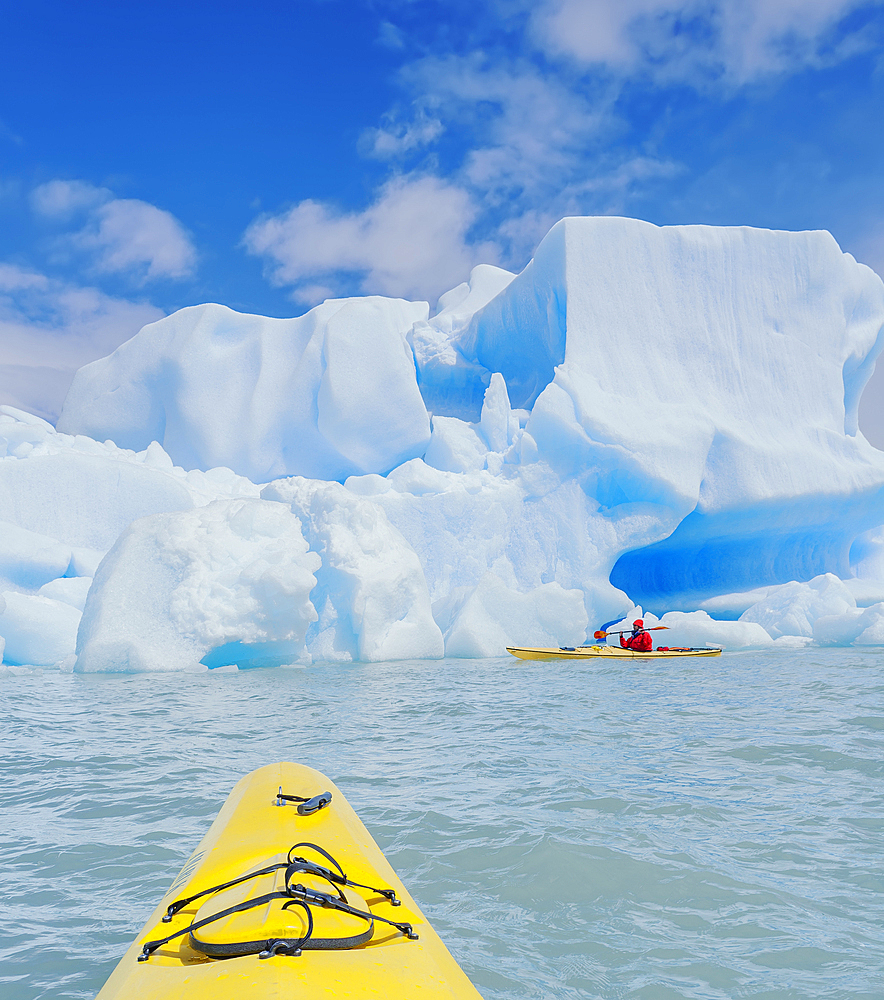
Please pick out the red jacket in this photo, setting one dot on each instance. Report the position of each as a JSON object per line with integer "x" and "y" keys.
{"x": 641, "y": 641}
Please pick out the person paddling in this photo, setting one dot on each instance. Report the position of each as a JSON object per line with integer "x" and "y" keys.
{"x": 639, "y": 639}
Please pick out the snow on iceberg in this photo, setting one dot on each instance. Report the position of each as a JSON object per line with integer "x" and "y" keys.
{"x": 527, "y": 527}
{"x": 75, "y": 491}
{"x": 823, "y": 609}
{"x": 64, "y": 501}
{"x": 29, "y": 559}
{"x": 69, "y": 590}
{"x": 855, "y": 627}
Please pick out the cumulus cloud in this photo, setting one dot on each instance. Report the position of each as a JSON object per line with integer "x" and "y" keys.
{"x": 529, "y": 130}
{"x": 736, "y": 40}
{"x": 396, "y": 136}
{"x": 411, "y": 242}
{"x": 62, "y": 199}
{"x": 538, "y": 148}
{"x": 50, "y": 328}
{"x": 132, "y": 237}
{"x": 121, "y": 235}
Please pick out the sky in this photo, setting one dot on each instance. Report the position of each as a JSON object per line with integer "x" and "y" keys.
{"x": 269, "y": 155}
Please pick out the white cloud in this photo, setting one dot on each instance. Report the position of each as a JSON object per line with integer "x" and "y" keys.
{"x": 391, "y": 37}
{"x": 536, "y": 138}
{"x": 539, "y": 147}
{"x": 538, "y": 151}
{"x": 121, "y": 235}
{"x": 411, "y": 242}
{"x": 61, "y": 199}
{"x": 531, "y": 130}
{"x": 132, "y": 237}
{"x": 396, "y": 137}
{"x": 694, "y": 40}
{"x": 50, "y": 328}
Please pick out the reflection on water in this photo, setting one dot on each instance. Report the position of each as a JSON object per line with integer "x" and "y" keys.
{"x": 703, "y": 829}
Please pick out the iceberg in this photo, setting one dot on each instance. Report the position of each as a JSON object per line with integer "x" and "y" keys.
{"x": 698, "y": 629}
{"x": 223, "y": 583}
{"x": 794, "y": 608}
{"x": 855, "y": 627}
{"x": 714, "y": 374}
{"x": 369, "y": 585}
{"x": 663, "y": 417}
{"x": 326, "y": 395}
{"x": 38, "y": 631}
{"x": 494, "y": 616}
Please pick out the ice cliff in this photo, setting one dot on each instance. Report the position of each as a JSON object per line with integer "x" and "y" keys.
{"x": 654, "y": 417}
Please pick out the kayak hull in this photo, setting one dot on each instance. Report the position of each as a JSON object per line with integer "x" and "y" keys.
{"x": 250, "y": 832}
{"x": 603, "y": 653}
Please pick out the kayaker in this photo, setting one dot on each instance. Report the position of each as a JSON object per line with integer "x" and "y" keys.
{"x": 638, "y": 640}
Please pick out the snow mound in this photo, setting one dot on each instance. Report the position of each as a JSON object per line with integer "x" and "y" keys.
{"x": 226, "y": 583}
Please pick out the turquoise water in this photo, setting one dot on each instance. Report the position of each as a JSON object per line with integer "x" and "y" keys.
{"x": 690, "y": 829}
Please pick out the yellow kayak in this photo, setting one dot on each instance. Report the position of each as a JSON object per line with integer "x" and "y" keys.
{"x": 604, "y": 652}
{"x": 287, "y": 895}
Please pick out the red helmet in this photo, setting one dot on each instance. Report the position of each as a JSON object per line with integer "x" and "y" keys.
{"x": 638, "y": 623}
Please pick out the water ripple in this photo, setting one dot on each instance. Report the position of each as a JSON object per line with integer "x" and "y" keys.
{"x": 644, "y": 831}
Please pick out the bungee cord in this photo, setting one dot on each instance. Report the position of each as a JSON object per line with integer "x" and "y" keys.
{"x": 296, "y": 894}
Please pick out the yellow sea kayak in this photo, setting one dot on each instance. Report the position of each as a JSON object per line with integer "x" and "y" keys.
{"x": 603, "y": 652}
{"x": 287, "y": 895}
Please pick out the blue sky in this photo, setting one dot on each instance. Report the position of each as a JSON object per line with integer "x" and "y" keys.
{"x": 266, "y": 156}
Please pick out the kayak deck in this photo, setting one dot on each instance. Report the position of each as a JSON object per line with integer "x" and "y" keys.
{"x": 343, "y": 955}
{"x": 603, "y": 652}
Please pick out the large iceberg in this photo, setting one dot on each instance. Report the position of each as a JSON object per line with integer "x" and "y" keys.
{"x": 645, "y": 416}
{"x": 326, "y": 395}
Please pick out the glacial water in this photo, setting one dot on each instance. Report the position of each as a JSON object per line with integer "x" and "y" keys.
{"x": 690, "y": 829}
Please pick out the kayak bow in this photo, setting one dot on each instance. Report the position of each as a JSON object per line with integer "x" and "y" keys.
{"x": 287, "y": 895}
